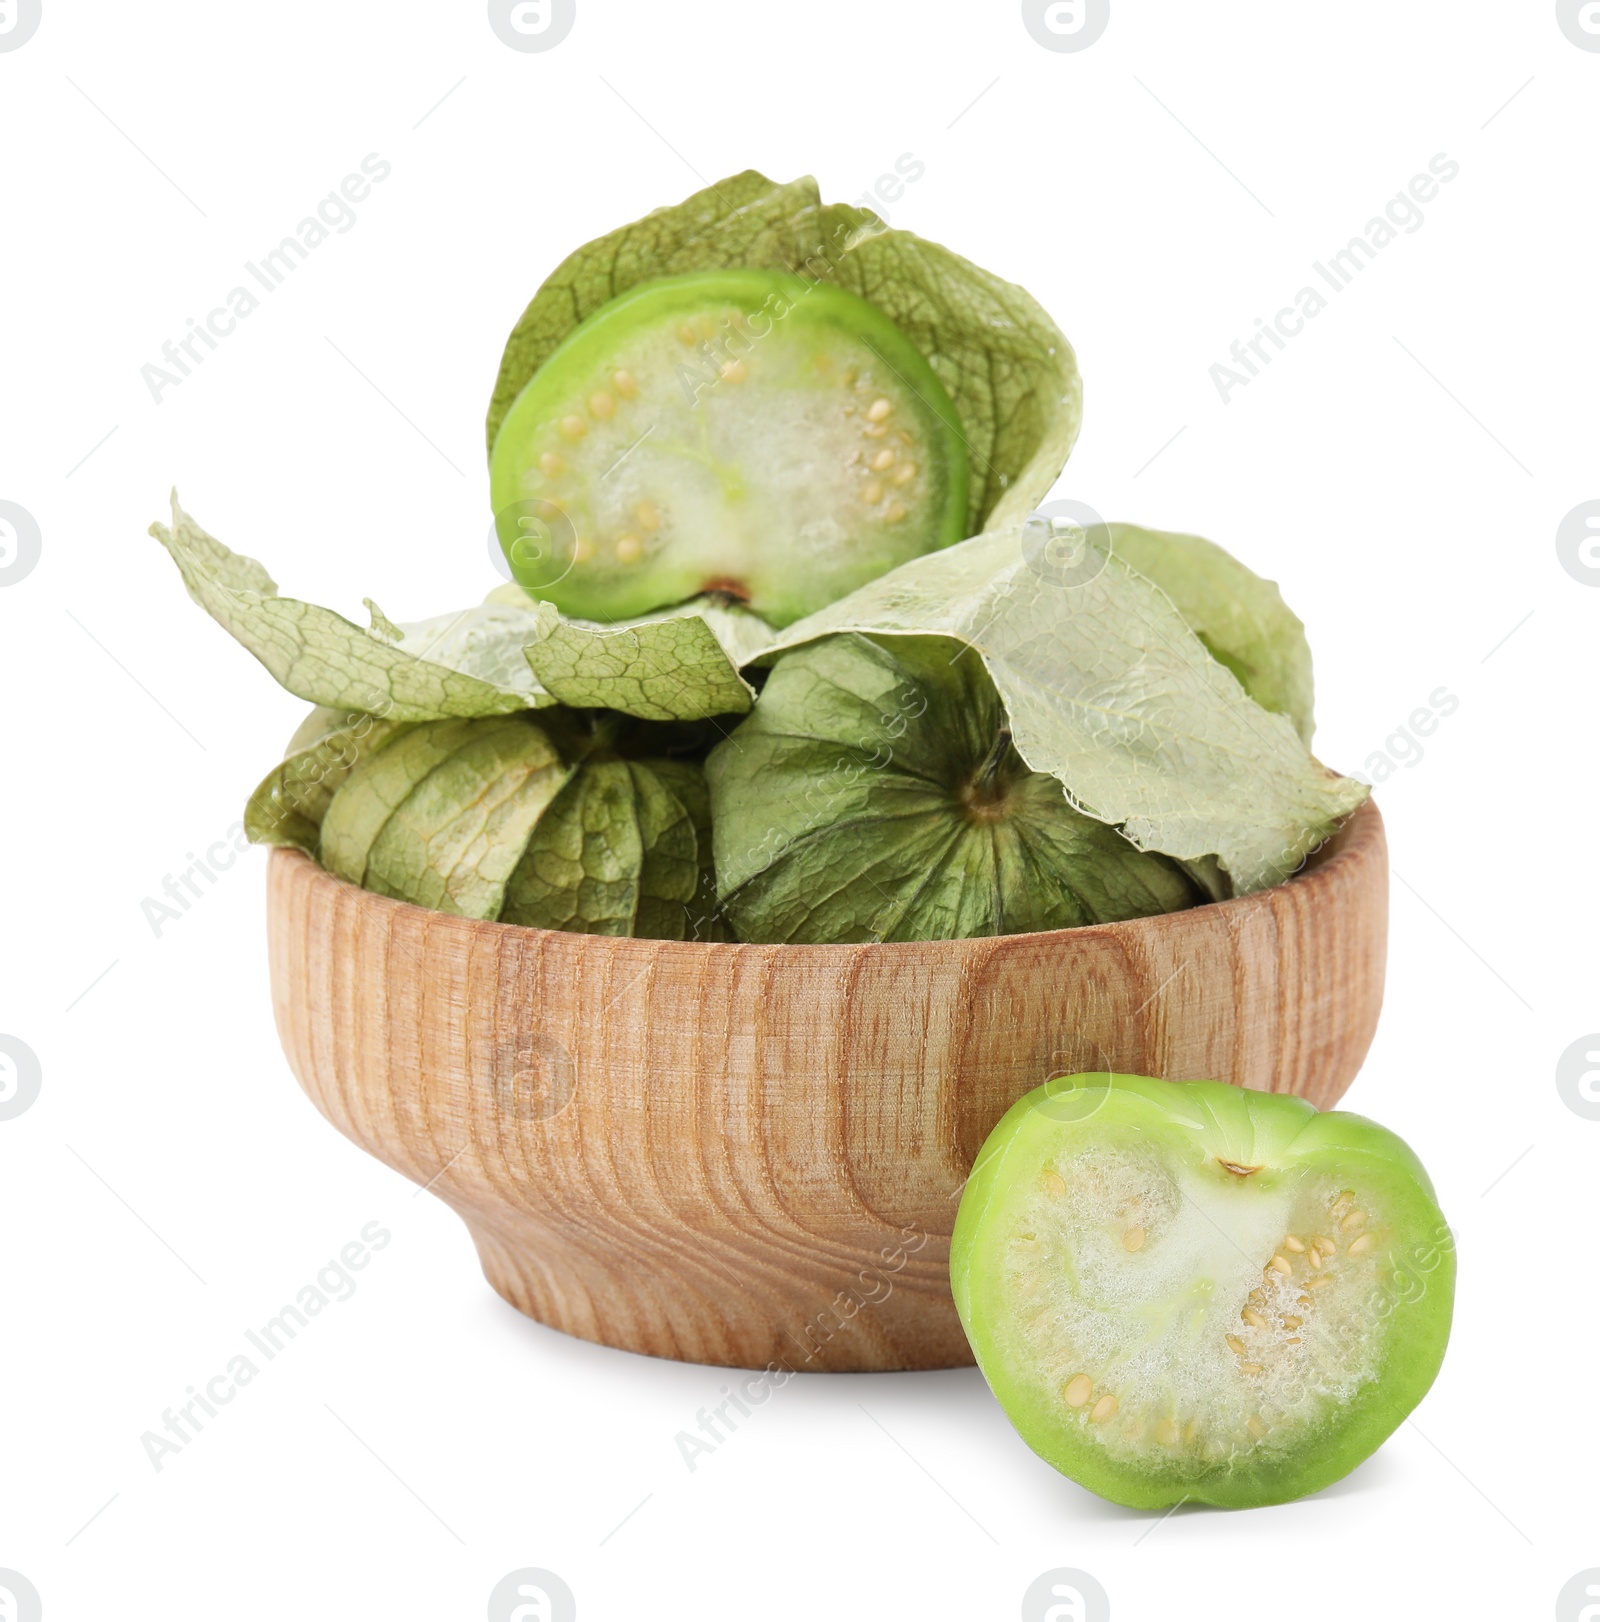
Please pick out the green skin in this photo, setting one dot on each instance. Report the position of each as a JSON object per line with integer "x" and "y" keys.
{"x": 741, "y": 542}
{"x": 1206, "y": 1127}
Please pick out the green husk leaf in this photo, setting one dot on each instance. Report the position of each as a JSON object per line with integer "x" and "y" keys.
{"x": 441, "y": 814}
{"x": 1241, "y": 618}
{"x": 681, "y": 666}
{"x": 874, "y": 794}
{"x": 433, "y": 672}
{"x": 290, "y": 802}
{"x": 708, "y": 921}
{"x": 1211, "y": 876}
{"x": 1009, "y": 371}
{"x": 382, "y": 625}
{"x": 615, "y": 855}
{"x": 536, "y": 822}
{"x": 364, "y": 803}
{"x": 669, "y": 872}
{"x": 1109, "y": 691}
{"x": 486, "y": 642}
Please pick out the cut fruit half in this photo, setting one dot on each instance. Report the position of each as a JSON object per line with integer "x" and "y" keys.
{"x": 1190, "y": 1291}
{"x": 742, "y": 431}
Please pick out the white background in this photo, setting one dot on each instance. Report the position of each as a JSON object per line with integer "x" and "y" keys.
{"x": 1401, "y": 469}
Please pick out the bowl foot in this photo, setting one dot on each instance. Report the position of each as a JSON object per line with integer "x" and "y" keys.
{"x": 875, "y": 1315}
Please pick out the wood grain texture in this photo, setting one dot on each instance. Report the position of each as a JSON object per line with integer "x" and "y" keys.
{"x": 753, "y": 1154}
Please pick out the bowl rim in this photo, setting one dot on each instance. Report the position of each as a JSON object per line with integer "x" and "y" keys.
{"x": 1351, "y": 842}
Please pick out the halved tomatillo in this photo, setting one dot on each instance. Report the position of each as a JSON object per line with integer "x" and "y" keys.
{"x": 741, "y": 431}
{"x": 1190, "y": 1291}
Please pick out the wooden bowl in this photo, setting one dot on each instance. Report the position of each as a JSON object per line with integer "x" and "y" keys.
{"x": 751, "y": 1155}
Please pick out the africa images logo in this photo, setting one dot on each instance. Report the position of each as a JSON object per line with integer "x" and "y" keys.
{"x": 20, "y": 1079}
{"x": 1066, "y": 25}
{"x": 19, "y": 1599}
{"x": 532, "y": 1595}
{"x": 1579, "y": 20}
{"x": 532, "y": 25}
{"x": 1578, "y": 541}
{"x": 20, "y": 541}
{"x": 18, "y": 21}
{"x": 1065, "y": 1595}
